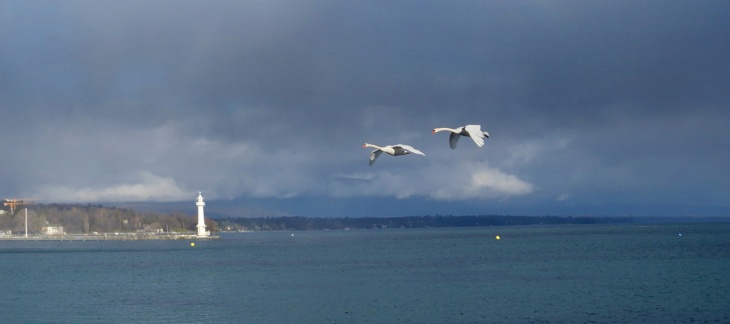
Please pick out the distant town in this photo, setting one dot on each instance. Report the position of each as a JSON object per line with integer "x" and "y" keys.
{"x": 54, "y": 220}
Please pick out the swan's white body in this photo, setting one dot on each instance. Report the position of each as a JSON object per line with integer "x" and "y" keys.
{"x": 394, "y": 150}
{"x": 473, "y": 131}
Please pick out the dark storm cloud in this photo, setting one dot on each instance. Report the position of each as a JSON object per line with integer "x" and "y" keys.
{"x": 588, "y": 103}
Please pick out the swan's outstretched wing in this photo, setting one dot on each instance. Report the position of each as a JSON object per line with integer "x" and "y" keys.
{"x": 475, "y": 132}
{"x": 453, "y": 139}
{"x": 410, "y": 149}
{"x": 374, "y": 155}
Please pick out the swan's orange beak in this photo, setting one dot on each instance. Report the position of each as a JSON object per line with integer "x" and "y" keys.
{"x": 433, "y": 131}
{"x": 364, "y": 146}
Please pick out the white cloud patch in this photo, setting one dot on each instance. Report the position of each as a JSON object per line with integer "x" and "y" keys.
{"x": 499, "y": 182}
{"x": 450, "y": 181}
{"x": 475, "y": 181}
{"x": 148, "y": 187}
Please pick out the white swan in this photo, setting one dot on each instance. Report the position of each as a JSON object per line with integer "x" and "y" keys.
{"x": 473, "y": 131}
{"x": 394, "y": 150}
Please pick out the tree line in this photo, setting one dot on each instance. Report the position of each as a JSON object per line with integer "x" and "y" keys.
{"x": 323, "y": 223}
{"x": 90, "y": 219}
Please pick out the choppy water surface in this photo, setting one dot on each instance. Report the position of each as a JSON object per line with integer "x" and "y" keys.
{"x": 591, "y": 273}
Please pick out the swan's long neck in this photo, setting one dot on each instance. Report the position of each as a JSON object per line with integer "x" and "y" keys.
{"x": 436, "y": 130}
{"x": 366, "y": 145}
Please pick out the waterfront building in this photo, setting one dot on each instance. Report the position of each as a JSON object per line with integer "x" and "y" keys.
{"x": 52, "y": 230}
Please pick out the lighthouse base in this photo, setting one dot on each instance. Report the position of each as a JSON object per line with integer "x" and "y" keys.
{"x": 202, "y": 232}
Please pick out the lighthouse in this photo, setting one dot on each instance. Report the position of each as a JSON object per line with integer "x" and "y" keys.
{"x": 201, "y": 217}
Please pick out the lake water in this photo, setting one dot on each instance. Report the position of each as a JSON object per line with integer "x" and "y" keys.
{"x": 533, "y": 274}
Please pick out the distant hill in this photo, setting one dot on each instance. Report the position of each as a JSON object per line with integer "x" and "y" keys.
{"x": 323, "y": 223}
{"x": 320, "y": 223}
{"x": 680, "y": 220}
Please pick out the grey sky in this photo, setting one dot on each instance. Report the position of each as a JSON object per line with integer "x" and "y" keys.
{"x": 598, "y": 107}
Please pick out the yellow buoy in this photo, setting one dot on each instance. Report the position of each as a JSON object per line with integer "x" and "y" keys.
{"x": 497, "y": 237}
{"x": 192, "y": 243}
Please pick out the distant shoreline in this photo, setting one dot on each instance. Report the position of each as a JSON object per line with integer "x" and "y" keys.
{"x": 335, "y": 223}
{"x": 107, "y": 237}
{"x": 300, "y": 223}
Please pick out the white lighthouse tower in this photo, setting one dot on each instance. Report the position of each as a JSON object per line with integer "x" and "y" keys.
{"x": 201, "y": 217}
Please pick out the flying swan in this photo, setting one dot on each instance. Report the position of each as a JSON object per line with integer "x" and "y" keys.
{"x": 394, "y": 150}
{"x": 473, "y": 131}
